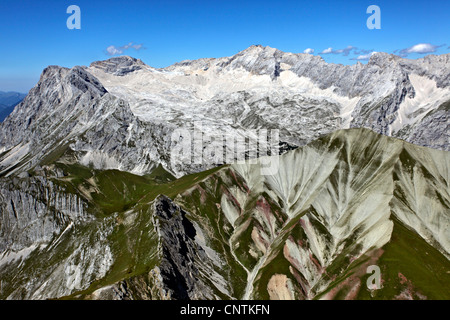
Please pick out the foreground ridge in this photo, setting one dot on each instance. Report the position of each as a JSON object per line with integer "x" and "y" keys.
{"x": 346, "y": 201}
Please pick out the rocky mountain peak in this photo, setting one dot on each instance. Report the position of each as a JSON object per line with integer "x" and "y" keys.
{"x": 82, "y": 80}
{"x": 383, "y": 59}
{"x": 119, "y": 66}
{"x": 54, "y": 78}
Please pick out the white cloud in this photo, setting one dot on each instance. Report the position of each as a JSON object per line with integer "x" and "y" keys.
{"x": 137, "y": 46}
{"x": 113, "y": 50}
{"x": 309, "y": 51}
{"x": 421, "y": 48}
{"x": 364, "y": 57}
{"x": 326, "y": 51}
{"x": 346, "y": 51}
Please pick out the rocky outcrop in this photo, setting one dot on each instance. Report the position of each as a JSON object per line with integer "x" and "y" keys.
{"x": 184, "y": 269}
{"x": 181, "y": 256}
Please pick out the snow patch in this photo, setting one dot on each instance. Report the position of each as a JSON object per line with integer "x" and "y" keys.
{"x": 9, "y": 256}
{"x": 99, "y": 160}
{"x": 428, "y": 97}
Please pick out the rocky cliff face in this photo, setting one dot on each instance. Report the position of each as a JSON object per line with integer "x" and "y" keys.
{"x": 33, "y": 209}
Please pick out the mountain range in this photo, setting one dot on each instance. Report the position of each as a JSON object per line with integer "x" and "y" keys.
{"x": 94, "y": 203}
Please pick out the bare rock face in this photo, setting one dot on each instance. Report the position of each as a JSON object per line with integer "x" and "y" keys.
{"x": 33, "y": 210}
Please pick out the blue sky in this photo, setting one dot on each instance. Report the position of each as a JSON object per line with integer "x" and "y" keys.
{"x": 33, "y": 34}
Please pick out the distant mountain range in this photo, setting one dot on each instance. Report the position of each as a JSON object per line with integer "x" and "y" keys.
{"x": 8, "y": 100}
{"x": 93, "y": 110}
